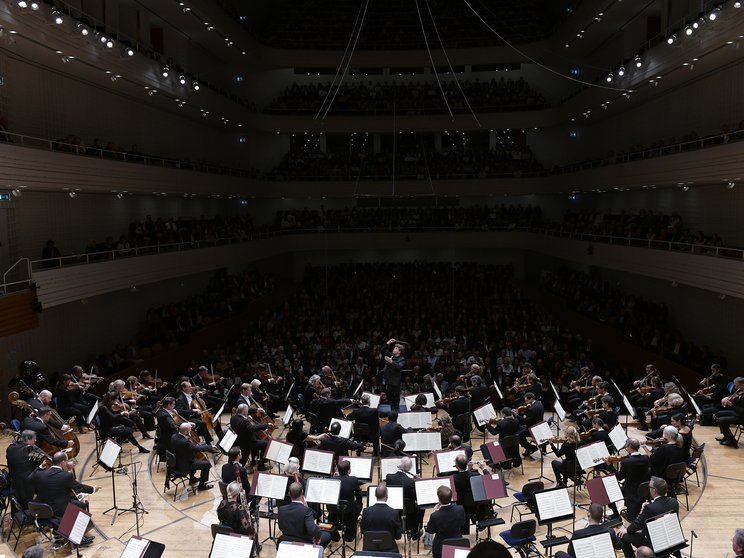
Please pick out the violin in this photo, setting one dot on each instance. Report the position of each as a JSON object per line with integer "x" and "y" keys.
{"x": 610, "y": 459}
{"x": 586, "y": 435}
{"x": 522, "y": 409}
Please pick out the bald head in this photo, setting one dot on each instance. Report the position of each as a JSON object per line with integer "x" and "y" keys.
{"x": 295, "y": 491}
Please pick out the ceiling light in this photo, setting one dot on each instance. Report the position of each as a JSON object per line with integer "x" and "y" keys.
{"x": 119, "y": 195}
{"x": 182, "y": 79}
{"x": 671, "y": 39}
{"x": 638, "y": 62}
{"x": 16, "y": 192}
{"x": 151, "y": 92}
{"x": 609, "y": 77}
{"x": 84, "y": 31}
{"x": 129, "y": 51}
{"x": 685, "y": 188}
{"x": 104, "y": 38}
{"x": 57, "y": 17}
{"x": 731, "y": 184}
{"x": 737, "y": 5}
{"x": 34, "y": 6}
{"x": 713, "y": 15}
{"x": 65, "y": 59}
{"x": 196, "y": 86}
{"x": 165, "y": 72}
{"x": 621, "y": 71}
{"x": 72, "y": 194}
{"x": 109, "y": 43}
{"x": 22, "y": 4}
{"x": 688, "y": 30}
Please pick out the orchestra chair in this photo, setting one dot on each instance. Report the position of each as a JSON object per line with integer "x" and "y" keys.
{"x": 15, "y": 424}
{"x": 173, "y": 475}
{"x": 676, "y": 477}
{"x": 510, "y": 444}
{"x": 223, "y": 489}
{"x": 5, "y": 493}
{"x": 18, "y": 518}
{"x": 363, "y": 434}
{"x": 411, "y": 510}
{"x": 159, "y": 453}
{"x": 694, "y": 463}
{"x": 315, "y": 426}
{"x": 46, "y": 524}
{"x": 464, "y": 424}
{"x": 218, "y": 528}
{"x": 643, "y": 492}
{"x": 521, "y": 537}
{"x": 378, "y": 541}
{"x": 577, "y": 477}
{"x": 526, "y": 499}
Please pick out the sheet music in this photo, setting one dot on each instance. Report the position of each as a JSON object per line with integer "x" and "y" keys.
{"x": 78, "y": 529}
{"x": 345, "y": 427}
{"x": 422, "y": 441}
{"x": 436, "y": 389}
{"x": 628, "y": 406}
{"x": 92, "y": 414}
{"x": 278, "y": 451}
{"x": 317, "y": 461}
{"x": 618, "y": 437}
{"x": 135, "y": 548}
{"x": 665, "y": 532}
{"x": 323, "y": 491}
{"x": 552, "y": 504}
{"x": 501, "y": 395}
{"x": 484, "y": 413}
{"x": 411, "y": 400}
{"x": 591, "y": 454}
{"x": 358, "y": 387}
{"x": 229, "y": 546}
{"x": 416, "y": 420}
{"x": 596, "y": 546}
{"x": 695, "y": 406}
{"x": 446, "y": 460}
{"x": 389, "y": 465}
{"x": 109, "y": 453}
{"x": 286, "y": 397}
{"x": 219, "y": 412}
{"x": 361, "y": 467}
{"x": 270, "y": 486}
{"x": 374, "y": 400}
{"x": 287, "y": 415}
{"x": 612, "y": 488}
{"x": 541, "y": 432}
{"x": 298, "y": 550}
{"x": 395, "y": 497}
{"x": 228, "y": 440}
{"x": 560, "y": 411}
{"x": 426, "y": 489}
{"x": 557, "y": 395}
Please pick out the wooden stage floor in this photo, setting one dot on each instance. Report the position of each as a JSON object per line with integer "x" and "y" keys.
{"x": 184, "y": 525}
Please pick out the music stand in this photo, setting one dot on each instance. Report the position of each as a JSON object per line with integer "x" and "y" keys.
{"x": 588, "y": 546}
{"x": 542, "y": 434}
{"x": 298, "y": 550}
{"x": 488, "y": 488}
{"x": 604, "y": 490}
{"x": 272, "y": 487}
{"x": 483, "y": 416}
{"x": 551, "y": 506}
{"x": 110, "y": 453}
{"x": 138, "y": 547}
{"x": 228, "y": 546}
{"x": 665, "y": 534}
{"x": 73, "y": 525}
{"x": 626, "y": 402}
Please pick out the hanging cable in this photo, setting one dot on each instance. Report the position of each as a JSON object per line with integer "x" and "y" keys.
{"x": 431, "y": 59}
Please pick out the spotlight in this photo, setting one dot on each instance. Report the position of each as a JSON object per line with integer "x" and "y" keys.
{"x": 182, "y": 79}
{"x": 737, "y": 5}
{"x": 688, "y": 30}
{"x": 165, "y": 71}
{"x": 129, "y": 51}
{"x": 22, "y": 4}
{"x": 72, "y": 194}
{"x": 104, "y": 39}
{"x": 621, "y": 71}
{"x": 685, "y": 188}
{"x": 65, "y": 60}
{"x": 16, "y": 193}
{"x": 671, "y": 39}
{"x": 713, "y": 15}
{"x": 109, "y": 43}
{"x": 730, "y": 185}
{"x": 114, "y": 77}
{"x": 57, "y": 17}
{"x": 151, "y": 92}
{"x": 34, "y": 6}
{"x": 609, "y": 78}
{"x": 119, "y": 195}
{"x": 638, "y": 62}
{"x": 84, "y": 31}
{"x": 196, "y": 86}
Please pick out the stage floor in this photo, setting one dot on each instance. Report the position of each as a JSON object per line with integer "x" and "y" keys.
{"x": 184, "y": 525}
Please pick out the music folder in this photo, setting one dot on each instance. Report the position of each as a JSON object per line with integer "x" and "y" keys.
{"x": 559, "y": 410}
{"x": 604, "y": 490}
{"x": 665, "y": 533}
{"x": 422, "y": 441}
{"x": 618, "y": 437}
{"x": 287, "y": 418}
{"x": 411, "y": 400}
{"x": 345, "y": 427}
{"x": 74, "y": 523}
{"x": 93, "y": 412}
{"x": 389, "y": 465}
{"x": 232, "y": 545}
{"x": 361, "y": 467}
{"x": 488, "y": 487}
{"x": 374, "y": 400}
{"x": 228, "y": 440}
{"x": 484, "y": 414}
{"x": 445, "y": 460}
{"x": 298, "y": 550}
{"x": 137, "y": 547}
{"x": 541, "y": 433}
{"x": 553, "y": 504}
{"x": 496, "y": 452}
{"x": 591, "y": 454}
{"x": 449, "y": 551}
{"x": 598, "y": 545}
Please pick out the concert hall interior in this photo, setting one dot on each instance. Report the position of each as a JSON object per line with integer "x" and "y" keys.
{"x": 371, "y": 278}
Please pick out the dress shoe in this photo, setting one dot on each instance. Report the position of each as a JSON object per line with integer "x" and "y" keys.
{"x": 144, "y": 450}
{"x": 720, "y": 438}
{"x": 203, "y": 487}
{"x": 730, "y": 443}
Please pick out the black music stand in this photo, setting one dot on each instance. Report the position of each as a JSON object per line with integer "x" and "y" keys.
{"x": 563, "y": 514}
{"x": 487, "y": 489}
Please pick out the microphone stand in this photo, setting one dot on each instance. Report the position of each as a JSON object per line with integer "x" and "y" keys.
{"x": 137, "y": 507}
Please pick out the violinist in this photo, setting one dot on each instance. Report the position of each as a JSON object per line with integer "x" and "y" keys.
{"x": 733, "y": 413}
{"x": 352, "y": 495}
{"x": 338, "y": 445}
{"x": 69, "y": 405}
{"x": 708, "y": 397}
{"x": 85, "y": 381}
{"x": 185, "y": 408}
{"x": 662, "y": 413}
{"x": 478, "y": 391}
{"x": 533, "y": 415}
{"x": 115, "y": 425}
{"x": 156, "y": 385}
{"x": 326, "y": 408}
{"x": 23, "y": 458}
{"x": 297, "y": 521}
{"x": 463, "y": 488}
{"x": 565, "y": 468}
{"x": 166, "y": 423}
{"x": 459, "y": 407}
{"x": 123, "y": 404}
{"x": 369, "y": 417}
{"x": 213, "y": 386}
{"x": 39, "y": 425}
{"x": 300, "y": 439}
{"x": 419, "y": 405}
{"x": 606, "y": 412}
{"x": 677, "y": 421}
{"x": 312, "y": 391}
{"x": 184, "y": 448}
{"x": 141, "y": 395}
{"x": 637, "y": 395}
{"x": 634, "y": 471}
{"x": 670, "y": 451}
{"x": 646, "y": 403}
{"x": 507, "y": 426}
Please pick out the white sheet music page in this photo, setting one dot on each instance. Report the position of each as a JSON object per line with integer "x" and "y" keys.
{"x": 618, "y": 437}
{"x": 228, "y": 440}
{"x": 231, "y": 546}
{"x": 287, "y": 415}
{"x": 389, "y": 465}
{"x": 665, "y": 532}
{"x": 109, "y": 453}
{"x": 361, "y": 467}
{"x": 271, "y": 486}
{"x": 553, "y": 503}
{"x": 436, "y": 389}
{"x": 484, "y": 413}
{"x": 395, "y": 497}
{"x": 374, "y": 400}
{"x": 628, "y": 406}
{"x": 416, "y": 420}
{"x": 93, "y": 413}
{"x": 345, "y": 427}
{"x": 591, "y": 454}
{"x": 426, "y": 489}
{"x": 560, "y": 411}
{"x": 317, "y": 461}
{"x": 135, "y": 548}
{"x": 278, "y": 451}
{"x": 541, "y": 432}
{"x": 323, "y": 491}
{"x": 596, "y": 546}
{"x": 298, "y": 550}
{"x": 557, "y": 395}
{"x": 78, "y": 529}
{"x": 498, "y": 390}
{"x": 422, "y": 441}
{"x": 612, "y": 488}
{"x": 446, "y": 460}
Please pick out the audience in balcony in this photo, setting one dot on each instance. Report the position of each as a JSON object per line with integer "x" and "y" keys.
{"x": 643, "y": 322}
{"x": 410, "y": 98}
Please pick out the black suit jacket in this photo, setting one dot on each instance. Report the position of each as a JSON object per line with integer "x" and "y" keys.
{"x": 228, "y": 475}
{"x": 53, "y": 486}
{"x": 634, "y": 471}
{"x": 459, "y": 406}
{"x": 42, "y": 432}
{"x": 393, "y": 370}
{"x": 445, "y": 523}
{"x": 662, "y": 504}
{"x": 462, "y": 484}
{"x": 478, "y": 396}
{"x": 339, "y": 445}
{"x": 382, "y": 517}
{"x": 166, "y": 428}
{"x": 297, "y": 523}
{"x": 391, "y": 432}
{"x": 368, "y": 416}
{"x": 663, "y": 456}
{"x": 404, "y": 480}
{"x": 508, "y": 426}
{"x": 183, "y": 449}
{"x": 593, "y": 530}
{"x": 350, "y": 490}
{"x": 534, "y": 414}
{"x": 20, "y": 468}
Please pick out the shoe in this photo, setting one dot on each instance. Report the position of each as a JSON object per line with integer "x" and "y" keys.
{"x": 624, "y": 515}
{"x": 731, "y": 443}
{"x": 643, "y": 428}
{"x": 86, "y": 541}
{"x": 417, "y": 535}
{"x": 203, "y": 487}
{"x": 193, "y": 480}
{"x": 144, "y": 450}
{"x": 720, "y": 438}
{"x": 146, "y": 436}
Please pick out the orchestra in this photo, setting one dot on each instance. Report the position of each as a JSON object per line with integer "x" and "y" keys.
{"x": 187, "y": 429}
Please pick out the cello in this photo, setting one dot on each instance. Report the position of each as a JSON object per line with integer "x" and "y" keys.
{"x": 68, "y": 436}
{"x": 193, "y": 434}
{"x": 199, "y": 407}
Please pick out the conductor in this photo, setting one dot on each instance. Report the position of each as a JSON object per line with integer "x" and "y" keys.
{"x": 394, "y": 362}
